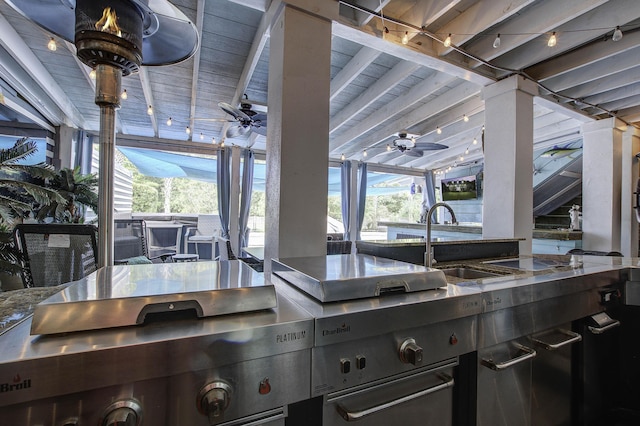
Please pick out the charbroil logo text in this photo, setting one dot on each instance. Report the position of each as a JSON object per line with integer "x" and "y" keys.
{"x": 288, "y": 337}
{"x": 342, "y": 329}
{"x": 18, "y": 384}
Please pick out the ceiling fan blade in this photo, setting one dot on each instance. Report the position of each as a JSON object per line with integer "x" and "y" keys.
{"x": 429, "y": 146}
{"x": 413, "y": 153}
{"x": 237, "y": 131}
{"x": 259, "y": 129}
{"x": 235, "y": 112}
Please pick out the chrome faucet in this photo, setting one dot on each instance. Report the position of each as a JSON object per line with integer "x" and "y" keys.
{"x": 428, "y": 255}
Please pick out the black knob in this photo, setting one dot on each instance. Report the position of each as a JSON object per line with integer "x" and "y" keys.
{"x": 410, "y": 352}
{"x": 213, "y": 400}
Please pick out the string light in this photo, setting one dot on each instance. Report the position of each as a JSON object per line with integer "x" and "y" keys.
{"x": 617, "y": 34}
{"x": 388, "y": 147}
{"x": 475, "y": 141}
{"x": 169, "y": 122}
{"x": 466, "y": 151}
{"x": 150, "y": 110}
{"x": 465, "y": 118}
{"x": 553, "y": 40}
{"x": 188, "y": 130}
{"x": 124, "y": 95}
{"x": 342, "y": 157}
{"x": 52, "y": 45}
{"x": 496, "y": 42}
{"x": 405, "y": 38}
{"x": 222, "y": 144}
{"x": 447, "y": 41}
{"x": 364, "y": 153}
{"x": 201, "y": 136}
{"x": 92, "y": 74}
{"x": 213, "y": 140}
{"x": 438, "y": 130}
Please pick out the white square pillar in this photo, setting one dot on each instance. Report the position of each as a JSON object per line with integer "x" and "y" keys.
{"x": 298, "y": 136}
{"x": 507, "y": 210}
{"x": 602, "y": 184}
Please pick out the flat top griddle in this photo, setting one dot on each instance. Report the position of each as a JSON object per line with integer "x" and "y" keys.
{"x": 355, "y": 276}
{"x": 116, "y": 296}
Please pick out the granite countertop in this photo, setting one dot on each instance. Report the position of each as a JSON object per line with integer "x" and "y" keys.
{"x": 15, "y": 305}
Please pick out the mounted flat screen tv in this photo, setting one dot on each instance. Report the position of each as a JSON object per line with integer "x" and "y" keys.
{"x": 460, "y": 188}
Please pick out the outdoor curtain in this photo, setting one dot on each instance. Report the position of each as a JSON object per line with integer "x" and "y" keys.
{"x": 345, "y": 189}
{"x": 429, "y": 193}
{"x": 362, "y": 196}
{"x": 245, "y": 196}
{"x": 224, "y": 188}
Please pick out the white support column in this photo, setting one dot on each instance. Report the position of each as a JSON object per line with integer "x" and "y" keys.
{"x": 297, "y": 136}
{"x": 234, "y": 201}
{"x": 630, "y": 174}
{"x": 602, "y": 184}
{"x": 508, "y": 161}
{"x": 66, "y": 143}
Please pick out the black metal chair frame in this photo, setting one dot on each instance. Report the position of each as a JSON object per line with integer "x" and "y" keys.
{"x": 141, "y": 246}
{"x": 80, "y": 259}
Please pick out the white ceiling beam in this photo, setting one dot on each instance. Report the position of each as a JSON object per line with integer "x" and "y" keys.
{"x": 361, "y": 18}
{"x": 576, "y": 32}
{"x": 451, "y": 121}
{"x": 148, "y": 96}
{"x": 595, "y": 71}
{"x": 23, "y": 55}
{"x": 196, "y": 68}
{"x": 583, "y": 56}
{"x": 425, "y": 56}
{"x": 622, "y": 103}
{"x": 15, "y": 106}
{"x": 612, "y": 95}
{"x": 631, "y": 115}
{"x": 476, "y": 19}
{"x": 354, "y": 67}
{"x": 561, "y": 109}
{"x": 260, "y": 5}
{"x": 414, "y": 116}
{"x": 413, "y": 95}
{"x": 522, "y": 28}
{"x": 385, "y": 83}
{"x": 604, "y": 84}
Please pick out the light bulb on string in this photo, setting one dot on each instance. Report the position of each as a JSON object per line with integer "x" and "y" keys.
{"x": 466, "y": 151}
{"x": 342, "y": 157}
{"x": 52, "y": 45}
{"x": 364, "y": 153}
{"x": 188, "y": 130}
{"x": 553, "y": 40}
{"x": 169, "y": 121}
{"x": 405, "y": 38}
{"x": 447, "y": 41}
{"x": 213, "y": 140}
{"x": 201, "y": 136}
{"x": 496, "y": 42}
{"x": 617, "y": 34}
{"x": 222, "y": 144}
{"x": 465, "y": 118}
{"x": 438, "y": 130}
{"x": 461, "y": 158}
{"x": 124, "y": 95}
{"x": 388, "y": 147}
{"x": 475, "y": 141}
{"x": 92, "y": 74}
{"x": 150, "y": 110}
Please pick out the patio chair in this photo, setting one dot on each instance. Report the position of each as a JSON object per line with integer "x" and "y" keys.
{"x": 338, "y": 247}
{"x": 130, "y": 243}
{"x": 56, "y": 253}
{"x": 208, "y": 228}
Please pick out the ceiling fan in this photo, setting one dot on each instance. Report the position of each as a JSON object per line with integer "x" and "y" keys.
{"x": 245, "y": 120}
{"x": 406, "y": 144}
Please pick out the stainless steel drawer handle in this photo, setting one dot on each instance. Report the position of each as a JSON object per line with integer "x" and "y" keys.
{"x": 528, "y": 354}
{"x": 573, "y": 337}
{"x": 600, "y": 330}
{"x": 356, "y": 415}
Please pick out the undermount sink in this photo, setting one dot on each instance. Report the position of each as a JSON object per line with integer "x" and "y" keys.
{"x": 468, "y": 273}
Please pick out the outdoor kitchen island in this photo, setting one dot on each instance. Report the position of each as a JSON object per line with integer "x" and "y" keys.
{"x": 401, "y": 356}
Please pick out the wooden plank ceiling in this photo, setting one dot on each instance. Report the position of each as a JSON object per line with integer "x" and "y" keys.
{"x": 379, "y": 85}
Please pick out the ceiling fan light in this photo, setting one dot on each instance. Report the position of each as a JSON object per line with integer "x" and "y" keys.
{"x": 617, "y": 34}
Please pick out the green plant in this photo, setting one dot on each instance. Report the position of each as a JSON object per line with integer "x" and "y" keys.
{"x": 22, "y": 189}
{"x": 78, "y": 191}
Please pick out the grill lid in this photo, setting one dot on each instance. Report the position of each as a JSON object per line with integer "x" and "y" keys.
{"x": 355, "y": 276}
{"x": 116, "y": 296}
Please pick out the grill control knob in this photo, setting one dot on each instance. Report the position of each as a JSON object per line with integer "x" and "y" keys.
{"x": 123, "y": 413}
{"x": 213, "y": 399}
{"x": 410, "y": 352}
